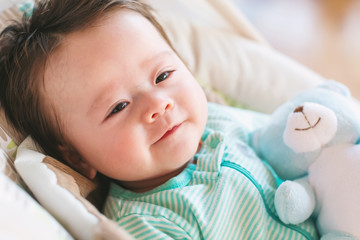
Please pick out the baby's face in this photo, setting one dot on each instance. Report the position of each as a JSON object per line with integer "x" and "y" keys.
{"x": 128, "y": 104}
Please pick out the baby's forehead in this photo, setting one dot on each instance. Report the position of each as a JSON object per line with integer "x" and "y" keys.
{"x": 113, "y": 48}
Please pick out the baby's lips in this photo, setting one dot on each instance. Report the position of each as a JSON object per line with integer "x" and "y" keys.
{"x": 168, "y": 132}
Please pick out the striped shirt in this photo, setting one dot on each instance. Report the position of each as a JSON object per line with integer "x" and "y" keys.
{"x": 228, "y": 194}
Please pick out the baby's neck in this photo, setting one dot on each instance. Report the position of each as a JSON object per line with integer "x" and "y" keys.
{"x": 147, "y": 185}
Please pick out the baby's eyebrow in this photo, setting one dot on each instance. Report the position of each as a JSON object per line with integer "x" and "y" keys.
{"x": 103, "y": 96}
{"x": 157, "y": 56}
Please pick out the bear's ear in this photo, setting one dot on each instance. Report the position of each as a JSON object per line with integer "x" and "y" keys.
{"x": 336, "y": 87}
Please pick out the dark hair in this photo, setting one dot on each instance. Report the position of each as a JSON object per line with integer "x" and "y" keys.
{"x": 25, "y": 47}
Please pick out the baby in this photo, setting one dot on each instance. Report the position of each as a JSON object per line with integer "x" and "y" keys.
{"x": 98, "y": 85}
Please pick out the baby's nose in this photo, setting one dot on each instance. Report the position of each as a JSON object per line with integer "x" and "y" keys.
{"x": 161, "y": 111}
{"x": 157, "y": 107}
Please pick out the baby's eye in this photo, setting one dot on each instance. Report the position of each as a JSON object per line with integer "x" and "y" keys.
{"x": 163, "y": 76}
{"x": 118, "y": 108}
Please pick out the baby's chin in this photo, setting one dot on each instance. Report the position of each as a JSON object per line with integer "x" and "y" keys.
{"x": 186, "y": 157}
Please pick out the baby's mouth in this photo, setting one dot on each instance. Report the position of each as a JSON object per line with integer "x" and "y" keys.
{"x": 169, "y": 132}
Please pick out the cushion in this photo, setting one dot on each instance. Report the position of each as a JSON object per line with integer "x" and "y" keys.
{"x": 60, "y": 190}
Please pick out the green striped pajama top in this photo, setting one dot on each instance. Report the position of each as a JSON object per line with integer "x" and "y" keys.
{"x": 228, "y": 194}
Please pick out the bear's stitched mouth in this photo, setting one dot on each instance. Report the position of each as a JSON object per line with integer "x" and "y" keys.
{"x": 310, "y": 126}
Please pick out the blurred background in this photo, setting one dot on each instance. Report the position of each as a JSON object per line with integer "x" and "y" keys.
{"x": 324, "y": 35}
{"x": 321, "y": 34}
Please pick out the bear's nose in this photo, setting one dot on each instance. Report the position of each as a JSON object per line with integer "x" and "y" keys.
{"x": 299, "y": 109}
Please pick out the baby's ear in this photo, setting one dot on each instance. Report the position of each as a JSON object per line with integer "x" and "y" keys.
{"x": 76, "y": 161}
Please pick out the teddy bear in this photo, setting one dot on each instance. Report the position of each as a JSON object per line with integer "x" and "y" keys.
{"x": 311, "y": 144}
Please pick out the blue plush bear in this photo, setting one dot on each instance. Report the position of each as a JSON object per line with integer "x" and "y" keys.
{"x": 311, "y": 143}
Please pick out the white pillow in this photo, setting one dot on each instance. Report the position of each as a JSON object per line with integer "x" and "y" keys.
{"x": 23, "y": 218}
